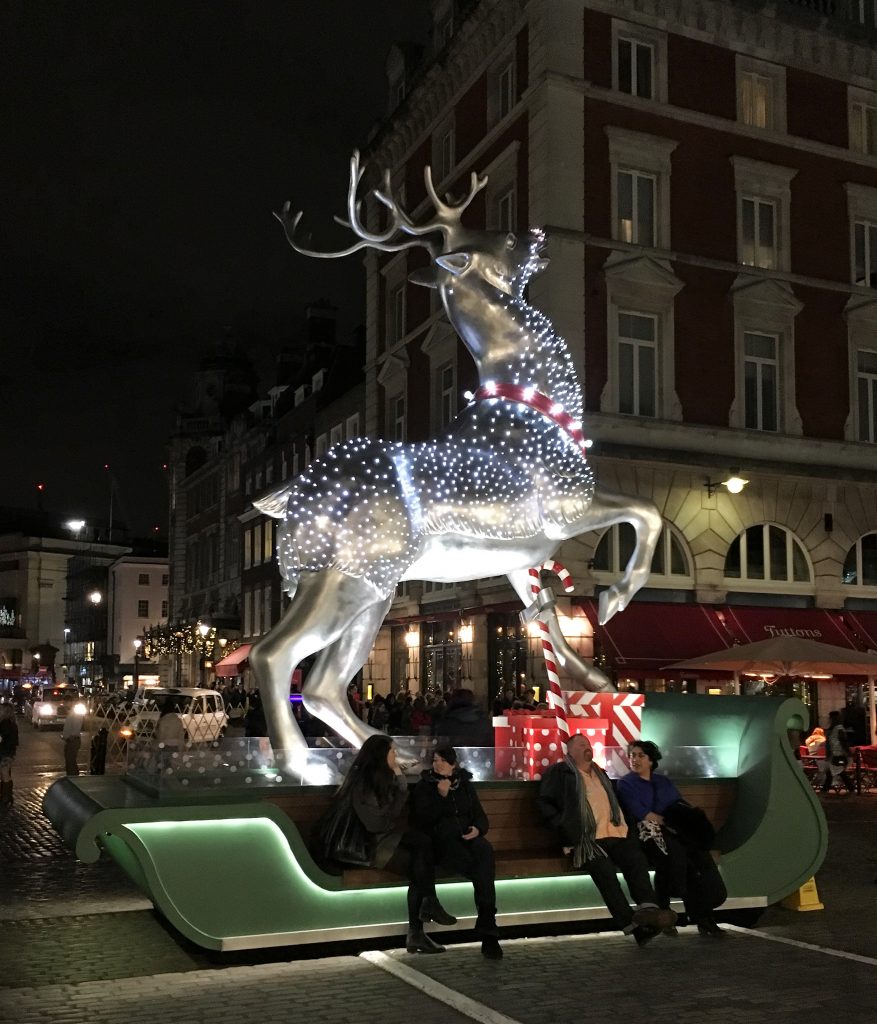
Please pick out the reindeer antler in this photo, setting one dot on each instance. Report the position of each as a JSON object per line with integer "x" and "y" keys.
{"x": 445, "y": 222}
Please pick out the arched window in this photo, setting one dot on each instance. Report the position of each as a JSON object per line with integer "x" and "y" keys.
{"x": 767, "y": 553}
{"x": 670, "y": 562}
{"x": 860, "y": 565}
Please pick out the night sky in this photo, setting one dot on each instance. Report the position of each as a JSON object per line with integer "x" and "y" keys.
{"x": 145, "y": 145}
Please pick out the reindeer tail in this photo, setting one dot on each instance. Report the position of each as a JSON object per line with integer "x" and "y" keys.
{"x": 274, "y": 504}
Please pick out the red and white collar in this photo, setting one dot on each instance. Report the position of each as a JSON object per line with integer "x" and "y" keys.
{"x": 541, "y": 403}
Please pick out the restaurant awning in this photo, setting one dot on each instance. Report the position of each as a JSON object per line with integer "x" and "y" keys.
{"x": 749, "y": 624}
{"x": 648, "y": 635}
{"x": 863, "y": 626}
{"x": 233, "y": 664}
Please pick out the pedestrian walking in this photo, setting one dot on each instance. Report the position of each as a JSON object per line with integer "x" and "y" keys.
{"x": 72, "y": 737}
{"x": 8, "y": 747}
{"x": 837, "y": 754}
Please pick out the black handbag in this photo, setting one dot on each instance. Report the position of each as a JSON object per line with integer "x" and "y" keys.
{"x": 343, "y": 837}
{"x": 690, "y": 824}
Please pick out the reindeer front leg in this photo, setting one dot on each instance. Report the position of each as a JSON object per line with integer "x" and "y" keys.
{"x": 607, "y": 509}
{"x": 591, "y": 679}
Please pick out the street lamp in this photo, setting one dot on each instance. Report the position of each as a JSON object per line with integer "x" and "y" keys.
{"x": 95, "y": 597}
{"x": 138, "y": 643}
{"x": 203, "y": 629}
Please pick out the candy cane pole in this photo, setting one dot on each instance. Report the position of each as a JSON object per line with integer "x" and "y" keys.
{"x": 556, "y": 696}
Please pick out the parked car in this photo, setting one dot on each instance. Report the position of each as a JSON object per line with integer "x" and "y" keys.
{"x": 53, "y": 704}
{"x": 201, "y": 711}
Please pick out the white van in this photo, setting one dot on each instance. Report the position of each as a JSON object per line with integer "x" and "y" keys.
{"x": 202, "y": 713}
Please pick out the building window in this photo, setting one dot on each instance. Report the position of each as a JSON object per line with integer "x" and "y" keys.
{"x": 444, "y": 151}
{"x": 321, "y": 445}
{"x": 860, "y": 565}
{"x": 670, "y": 560}
{"x": 248, "y": 613}
{"x": 143, "y": 579}
{"x": 506, "y": 93}
{"x": 266, "y": 608}
{"x": 506, "y": 210}
{"x": 248, "y": 549}
{"x": 758, "y": 232}
{"x": 761, "y": 94}
{"x": 865, "y": 253}
{"x": 447, "y": 395}
{"x": 761, "y": 381}
{"x": 164, "y": 607}
{"x": 866, "y": 394}
{"x": 637, "y": 340}
{"x": 396, "y": 314}
{"x": 165, "y": 579}
{"x": 352, "y": 426}
{"x": 865, "y": 12}
{"x": 640, "y": 187}
{"x": 764, "y": 196}
{"x": 767, "y": 553}
{"x": 142, "y": 609}
{"x": 639, "y": 61}
{"x": 396, "y": 424}
{"x": 636, "y": 68}
{"x": 336, "y": 434}
{"x": 267, "y": 541}
{"x": 863, "y": 121}
{"x": 635, "y": 211}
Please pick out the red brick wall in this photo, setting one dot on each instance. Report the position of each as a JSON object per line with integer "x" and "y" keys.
{"x": 701, "y": 77}
{"x": 821, "y": 374}
{"x": 816, "y": 107}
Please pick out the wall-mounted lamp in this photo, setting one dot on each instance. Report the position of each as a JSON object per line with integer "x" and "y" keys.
{"x": 412, "y": 638}
{"x": 734, "y": 484}
{"x": 464, "y": 634}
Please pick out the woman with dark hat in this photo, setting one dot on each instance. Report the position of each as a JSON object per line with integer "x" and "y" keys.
{"x": 446, "y": 807}
{"x": 675, "y": 838}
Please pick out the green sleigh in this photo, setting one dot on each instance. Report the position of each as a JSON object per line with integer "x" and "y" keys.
{"x": 187, "y": 855}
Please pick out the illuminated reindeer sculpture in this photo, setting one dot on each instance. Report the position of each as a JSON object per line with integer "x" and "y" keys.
{"x": 497, "y": 495}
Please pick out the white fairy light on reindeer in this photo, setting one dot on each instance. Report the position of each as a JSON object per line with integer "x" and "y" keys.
{"x": 497, "y": 495}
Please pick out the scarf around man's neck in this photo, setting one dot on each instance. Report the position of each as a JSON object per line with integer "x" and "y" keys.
{"x": 588, "y": 848}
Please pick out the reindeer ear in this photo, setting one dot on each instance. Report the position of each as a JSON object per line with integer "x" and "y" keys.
{"x": 454, "y": 262}
{"x": 425, "y": 276}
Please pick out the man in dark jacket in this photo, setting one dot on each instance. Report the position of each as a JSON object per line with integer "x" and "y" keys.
{"x": 464, "y": 723}
{"x": 577, "y": 800}
{"x": 445, "y": 806}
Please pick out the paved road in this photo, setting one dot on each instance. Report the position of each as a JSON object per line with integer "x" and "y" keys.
{"x": 86, "y": 947}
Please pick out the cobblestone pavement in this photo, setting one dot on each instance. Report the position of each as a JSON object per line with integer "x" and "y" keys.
{"x": 87, "y": 949}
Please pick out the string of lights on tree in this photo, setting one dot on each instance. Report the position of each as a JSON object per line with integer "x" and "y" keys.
{"x": 174, "y": 638}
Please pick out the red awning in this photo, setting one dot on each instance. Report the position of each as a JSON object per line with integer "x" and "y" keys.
{"x": 750, "y": 624}
{"x": 648, "y": 635}
{"x": 863, "y": 627}
{"x": 233, "y": 664}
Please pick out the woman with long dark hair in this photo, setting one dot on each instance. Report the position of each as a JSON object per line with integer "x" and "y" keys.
{"x": 376, "y": 792}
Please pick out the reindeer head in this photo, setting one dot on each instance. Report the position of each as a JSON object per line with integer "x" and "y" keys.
{"x": 501, "y": 261}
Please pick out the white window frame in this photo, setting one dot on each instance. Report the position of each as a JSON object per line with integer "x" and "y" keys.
{"x": 665, "y": 580}
{"x": 248, "y": 613}
{"x": 776, "y": 75}
{"x": 754, "y": 179}
{"x": 636, "y": 235}
{"x": 870, "y": 379}
{"x": 637, "y": 345}
{"x": 866, "y": 13}
{"x": 861, "y": 318}
{"x": 650, "y": 155}
{"x": 861, "y": 209}
{"x": 502, "y": 186}
{"x": 764, "y": 250}
{"x": 336, "y": 434}
{"x": 321, "y": 446}
{"x": 768, "y": 307}
{"x": 502, "y": 85}
{"x": 859, "y": 585}
{"x": 446, "y": 394}
{"x": 351, "y": 426}
{"x": 397, "y": 420}
{"x": 444, "y": 150}
{"x": 248, "y": 547}
{"x": 862, "y": 108}
{"x": 770, "y": 585}
{"x": 266, "y": 608}
{"x": 645, "y": 286}
{"x": 643, "y": 36}
{"x": 395, "y": 281}
{"x": 760, "y": 363}
{"x": 268, "y": 541}
{"x": 440, "y": 347}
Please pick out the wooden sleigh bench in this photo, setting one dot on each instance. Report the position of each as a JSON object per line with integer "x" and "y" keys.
{"x": 188, "y": 854}
{"x": 523, "y": 846}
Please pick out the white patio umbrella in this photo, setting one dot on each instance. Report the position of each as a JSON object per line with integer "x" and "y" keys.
{"x": 787, "y": 656}
{"x": 793, "y": 656}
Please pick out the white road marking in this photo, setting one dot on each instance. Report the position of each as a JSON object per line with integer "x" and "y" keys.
{"x": 827, "y": 950}
{"x": 435, "y": 990}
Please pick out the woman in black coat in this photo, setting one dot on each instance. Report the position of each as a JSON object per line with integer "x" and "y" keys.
{"x": 376, "y": 791}
{"x": 446, "y": 807}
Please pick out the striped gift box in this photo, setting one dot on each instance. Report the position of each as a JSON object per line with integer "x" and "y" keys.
{"x": 624, "y": 712}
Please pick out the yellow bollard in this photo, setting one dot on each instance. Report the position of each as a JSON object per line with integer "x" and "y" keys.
{"x": 805, "y": 898}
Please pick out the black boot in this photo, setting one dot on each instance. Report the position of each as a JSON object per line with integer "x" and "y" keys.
{"x": 432, "y": 910}
{"x": 491, "y": 949}
{"x": 419, "y": 942}
{"x": 707, "y": 925}
{"x": 486, "y": 923}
